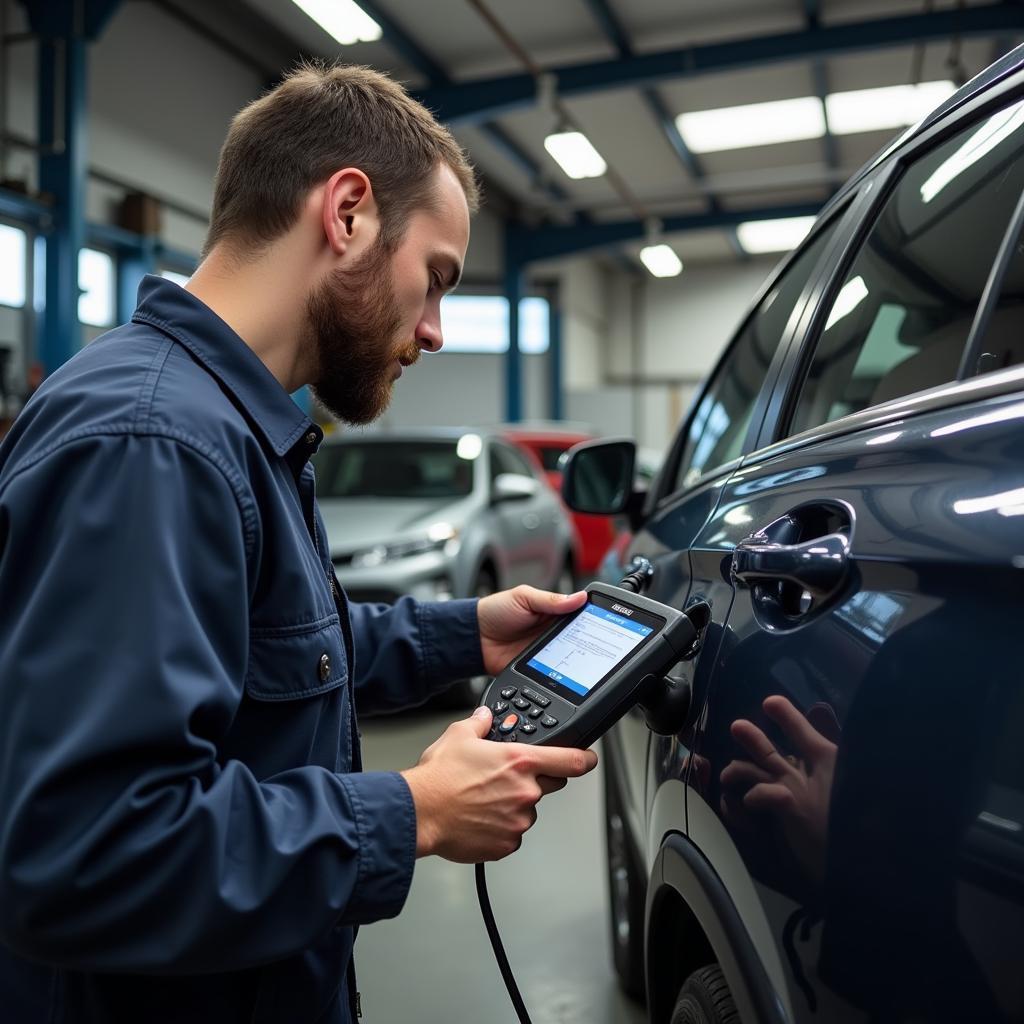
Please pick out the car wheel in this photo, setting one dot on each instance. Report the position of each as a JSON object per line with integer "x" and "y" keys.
{"x": 626, "y": 895}
{"x": 705, "y": 999}
{"x": 466, "y": 693}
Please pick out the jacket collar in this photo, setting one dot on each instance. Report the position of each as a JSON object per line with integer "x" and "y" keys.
{"x": 192, "y": 323}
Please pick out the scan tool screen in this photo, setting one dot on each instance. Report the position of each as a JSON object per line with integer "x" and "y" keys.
{"x": 591, "y": 647}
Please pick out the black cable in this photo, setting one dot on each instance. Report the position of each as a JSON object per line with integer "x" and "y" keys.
{"x": 499, "y": 949}
{"x": 633, "y": 582}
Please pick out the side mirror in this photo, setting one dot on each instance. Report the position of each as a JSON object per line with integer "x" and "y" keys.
{"x": 513, "y": 487}
{"x": 597, "y": 478}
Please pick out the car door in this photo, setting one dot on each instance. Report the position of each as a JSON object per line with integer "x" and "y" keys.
{"x": 857, "y": 757}
{"x": 703, "y": 456}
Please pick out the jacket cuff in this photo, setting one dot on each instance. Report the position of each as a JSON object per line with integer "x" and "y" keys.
{"x": 451, "y": 641}
{"x": 385, "y": 818}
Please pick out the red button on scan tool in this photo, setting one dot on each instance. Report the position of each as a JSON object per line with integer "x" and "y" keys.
{"x": 508, "y": 723}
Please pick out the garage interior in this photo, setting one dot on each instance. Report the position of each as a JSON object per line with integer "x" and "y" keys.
{"x": 596, "y": 297}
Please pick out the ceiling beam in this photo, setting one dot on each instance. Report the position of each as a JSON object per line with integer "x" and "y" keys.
{"x": 547, "y": 241}
{"x": 819, "y": 74}
{"x": 405, "y": 46}
{"x": 616, "y": 33}
{"x": 480, "y": 99}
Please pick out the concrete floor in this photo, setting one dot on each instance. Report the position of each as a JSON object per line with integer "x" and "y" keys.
{"x": 433, "y": 964}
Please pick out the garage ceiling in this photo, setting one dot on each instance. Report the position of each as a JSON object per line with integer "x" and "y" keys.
{"x": 459, "y": 54}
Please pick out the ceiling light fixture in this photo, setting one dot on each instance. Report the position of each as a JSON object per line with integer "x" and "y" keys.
{"x": 345, "y": 20}
{"x": 661, "y": 260}
{"x": 764, "y": 236}
{"x": 755, "y": 124}
{"x": 573, "y": 152}
{"x": 893, "y": 106}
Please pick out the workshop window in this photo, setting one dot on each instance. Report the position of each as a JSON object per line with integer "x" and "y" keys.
{"x": 13, "y": 265}
{"x": 479, "y": 323}
{"x": 173, "y": 275}
{"x": 96, "y": 288}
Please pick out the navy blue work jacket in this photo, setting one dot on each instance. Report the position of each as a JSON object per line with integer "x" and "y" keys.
{"x": 185, "y": 832}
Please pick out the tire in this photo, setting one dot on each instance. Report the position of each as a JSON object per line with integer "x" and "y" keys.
{"x": 466, "y": 693}
{"x": 705, "y": 999}
{"x": 626, "y": 895}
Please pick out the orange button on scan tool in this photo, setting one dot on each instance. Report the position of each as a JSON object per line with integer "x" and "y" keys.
{"x": 508, "y": 723}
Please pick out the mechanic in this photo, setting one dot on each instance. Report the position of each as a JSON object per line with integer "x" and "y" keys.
{"x": 185, "y": 830}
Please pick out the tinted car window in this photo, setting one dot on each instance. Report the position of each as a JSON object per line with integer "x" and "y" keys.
{"x": 720, "y": 422}
{"x": 508, "y": 460}
{"x": 900, "y": 320}
{"x": 392, "y": 469}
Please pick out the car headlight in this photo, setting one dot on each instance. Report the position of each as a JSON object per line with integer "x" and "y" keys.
{"x": 437, "y": 538}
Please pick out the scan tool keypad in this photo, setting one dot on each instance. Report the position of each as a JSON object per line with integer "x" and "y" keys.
{"x": 517, "y": 713}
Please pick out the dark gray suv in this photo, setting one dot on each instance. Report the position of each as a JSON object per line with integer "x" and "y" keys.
{"x": 832, "y": 829}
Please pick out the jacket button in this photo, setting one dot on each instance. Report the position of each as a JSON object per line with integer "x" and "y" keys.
{"x": 325, "y": 667}
{"x": 311, "y": 438}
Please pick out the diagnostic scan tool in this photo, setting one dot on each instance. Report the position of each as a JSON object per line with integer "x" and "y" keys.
{"x": 573, "y": 684}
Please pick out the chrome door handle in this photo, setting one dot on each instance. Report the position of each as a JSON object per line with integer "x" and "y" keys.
{"x": 819, "y": 565}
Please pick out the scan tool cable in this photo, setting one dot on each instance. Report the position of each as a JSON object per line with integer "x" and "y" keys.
{"x": 499, "y": 949}
{"x": 633, "y": 583}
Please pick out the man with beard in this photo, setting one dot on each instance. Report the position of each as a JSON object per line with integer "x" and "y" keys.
{"x": 185, "y": 831}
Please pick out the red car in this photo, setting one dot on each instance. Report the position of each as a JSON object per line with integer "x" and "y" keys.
{"x": 594, "y": 534}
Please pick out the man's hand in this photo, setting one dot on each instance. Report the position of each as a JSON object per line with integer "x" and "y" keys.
{"x": 512, "y": 619}
{"x": 475, "y": 798}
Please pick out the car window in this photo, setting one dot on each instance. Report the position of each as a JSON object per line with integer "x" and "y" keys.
{"x": 507, "y": 460}
{"x": 900, "y": 320}
{"x": 1002, "y": 344}
{"x": 392, "y": 469}
{"x": 519, "y": 462}
{"x": 720, "y": 423}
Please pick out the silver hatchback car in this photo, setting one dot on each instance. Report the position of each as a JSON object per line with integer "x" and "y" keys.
{"x": 439, "y": 514}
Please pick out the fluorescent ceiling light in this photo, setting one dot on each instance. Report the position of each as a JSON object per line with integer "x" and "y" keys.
{"x": 661, "y": 261}
{"x": 895, "y": 106}
{"x": 992, "y": 132}
{"x": 345, "y": 20}
{"x": 575, "y": 155}
{"x": 756, "y": 124}
{"x": 761, "y": 236}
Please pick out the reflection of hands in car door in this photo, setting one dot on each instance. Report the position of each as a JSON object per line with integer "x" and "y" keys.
{"x": 793, "y": 788}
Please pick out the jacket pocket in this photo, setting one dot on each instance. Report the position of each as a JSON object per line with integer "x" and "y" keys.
{"x": 296, "y": 661}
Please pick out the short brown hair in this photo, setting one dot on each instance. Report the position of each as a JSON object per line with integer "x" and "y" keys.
{"x": 319, "y": 119}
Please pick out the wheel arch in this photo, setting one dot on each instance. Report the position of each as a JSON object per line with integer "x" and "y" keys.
{"x": 691, "y": 920}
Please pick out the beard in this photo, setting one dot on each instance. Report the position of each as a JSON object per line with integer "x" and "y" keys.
{"x": 352, "y": 323}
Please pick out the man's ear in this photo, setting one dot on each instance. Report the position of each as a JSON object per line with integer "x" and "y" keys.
{"x": 350, "y": 217}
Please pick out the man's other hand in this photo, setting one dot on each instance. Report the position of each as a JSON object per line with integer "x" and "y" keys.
{"x": 475, "y": 798}
{"x": 512, "y": 619}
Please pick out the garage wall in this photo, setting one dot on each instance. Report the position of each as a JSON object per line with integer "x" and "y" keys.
{"x": 665, "y": 336}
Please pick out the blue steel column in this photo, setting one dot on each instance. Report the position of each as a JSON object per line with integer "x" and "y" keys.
{"x": 557, "y": 401}
{"x": 65, "y": 28}
{"x": 513, "y": 361}
{"x": 62, "y": 174}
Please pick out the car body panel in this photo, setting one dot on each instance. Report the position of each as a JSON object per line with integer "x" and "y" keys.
{"x": 899, "y": 894}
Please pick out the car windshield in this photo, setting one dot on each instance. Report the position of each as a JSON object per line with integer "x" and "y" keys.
{"x": 392, "y": 469}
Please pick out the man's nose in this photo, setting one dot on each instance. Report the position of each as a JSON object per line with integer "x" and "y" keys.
{"x": 428, "y": 335}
